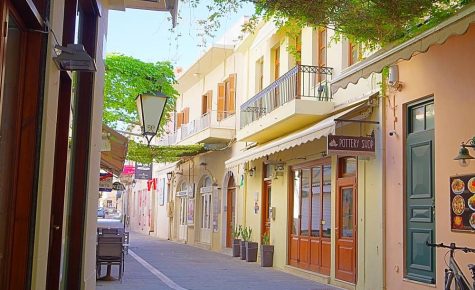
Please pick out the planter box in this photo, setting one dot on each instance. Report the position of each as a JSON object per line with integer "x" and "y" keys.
{"x": 236, "y": 247}
{"x": 267, "y": 255}
{"x": 251, "y": 251}
{"x": 243, "y": 250}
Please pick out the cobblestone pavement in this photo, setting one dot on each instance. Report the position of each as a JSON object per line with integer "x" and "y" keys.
{"x": 157, "y": 264}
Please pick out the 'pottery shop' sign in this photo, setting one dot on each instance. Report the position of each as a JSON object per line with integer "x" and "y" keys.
{"x": 351, "y": 145}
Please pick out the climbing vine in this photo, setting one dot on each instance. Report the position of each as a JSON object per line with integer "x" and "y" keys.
{"x": 161, "y": 154}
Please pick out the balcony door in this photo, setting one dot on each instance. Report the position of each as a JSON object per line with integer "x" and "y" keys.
{"x": 346, "y": 229}
{"x": 230, "y": 211}
{"x": 310, "y": 224}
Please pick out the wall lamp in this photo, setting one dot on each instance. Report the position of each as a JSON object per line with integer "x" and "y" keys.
{"x": 464, "y": 156}
{"x": 74, "y": 57}
{"x": 252, "y": 170}
{"x": 169, "y": 176}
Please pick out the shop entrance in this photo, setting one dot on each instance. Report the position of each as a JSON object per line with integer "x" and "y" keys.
{"x": 310, "y": 217}
{"x": 206, "y": 191}
{"x": 346, "y": 230}
{"x": 230, "y": 211}
{"x": 182, "y": 199}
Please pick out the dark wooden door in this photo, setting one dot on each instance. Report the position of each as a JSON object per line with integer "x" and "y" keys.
{"x": 266, "y": 204}
{"x": 230, "y": 211}
{"x": 420, "y": 202}
{"x": 346, "y": 230}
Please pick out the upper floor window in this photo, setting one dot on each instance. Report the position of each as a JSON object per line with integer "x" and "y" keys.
{"x": 206, "y": 101}
{"x": 259, "y": 75}
{"x": 354, "y": 53}
{"x": 227, "y": 97}
{"x": 182, "y": 117}
{"x": 277, "y": 62}
{"x": 322, "y": 51}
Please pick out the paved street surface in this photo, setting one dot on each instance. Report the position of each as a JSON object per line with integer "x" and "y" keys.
{"x": 157, "y": 264}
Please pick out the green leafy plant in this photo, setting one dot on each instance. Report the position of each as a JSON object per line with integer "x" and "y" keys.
{"x": 147, "y": 154}
{"x": 266, "y": 239}
{"x": 246, "y": 234}
{"x": 236, "y": 232}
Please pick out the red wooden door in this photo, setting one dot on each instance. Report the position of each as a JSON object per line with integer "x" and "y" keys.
{"x": 230, "y": 211}
{"x": 310, "y": 222}
{"x": 346, "y": 229}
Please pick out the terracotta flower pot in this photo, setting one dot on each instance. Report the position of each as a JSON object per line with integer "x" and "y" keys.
{"x": 243, "y": 250}
{"x": 251, "y": 251}
{"x": 236, "y": 247}
{"x": 267, "y": 255}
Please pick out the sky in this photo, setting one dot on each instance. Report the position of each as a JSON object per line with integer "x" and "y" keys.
{"x": 146, "y": 35}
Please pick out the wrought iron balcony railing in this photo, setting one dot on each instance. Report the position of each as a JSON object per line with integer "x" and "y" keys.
{"x": 302, "y": 81}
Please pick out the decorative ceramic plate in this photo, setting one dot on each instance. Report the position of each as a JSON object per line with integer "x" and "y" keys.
{"x": 458, "y": 205}
{"x": 472, "y": 220}
{"x": 471, "y": 202}
{"x": 471, "y": 185}
{"x": 458, "y": 186}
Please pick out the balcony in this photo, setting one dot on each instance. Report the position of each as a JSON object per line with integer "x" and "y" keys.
{"x": 211, "y": 128}
{"x": 300, "y": 97}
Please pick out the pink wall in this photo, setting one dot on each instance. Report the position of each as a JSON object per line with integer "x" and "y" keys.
{"x": 448, "y": 72}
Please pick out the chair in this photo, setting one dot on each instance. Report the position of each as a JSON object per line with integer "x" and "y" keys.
{"x": 110, "y": 252}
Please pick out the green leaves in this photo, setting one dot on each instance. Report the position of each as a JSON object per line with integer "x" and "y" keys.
{"x": 147, "y": 154}
{"x": 126, "y": 78}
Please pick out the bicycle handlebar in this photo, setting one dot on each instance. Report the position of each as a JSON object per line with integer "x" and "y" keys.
{"x": 452, "y": 247}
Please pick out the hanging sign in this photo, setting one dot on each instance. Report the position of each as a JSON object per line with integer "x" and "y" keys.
{"x": 118, "y": 186}
{"x": 462, "y": 203}
{"x": 351, "y": 145}
{"x": 143, "y": 171}
{"x": 105, "y": 182}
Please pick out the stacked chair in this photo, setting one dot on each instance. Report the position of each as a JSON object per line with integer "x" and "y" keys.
{"x": 112, "y": 243}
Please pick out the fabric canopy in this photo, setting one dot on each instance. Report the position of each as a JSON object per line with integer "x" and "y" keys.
{"x": 113, "y": 158}
{"x": 320, "y": 129}
{"x": 456, "y": 25}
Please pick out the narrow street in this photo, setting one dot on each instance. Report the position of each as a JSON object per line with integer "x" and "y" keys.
{"x": 157, "y": 264}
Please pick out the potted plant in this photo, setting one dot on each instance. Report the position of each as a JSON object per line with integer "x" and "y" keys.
{"x": 251, "y": 248}
{"x": 267, "y": 251}
{"x": 236, "y": 233}
{"x": 245, "y": 235}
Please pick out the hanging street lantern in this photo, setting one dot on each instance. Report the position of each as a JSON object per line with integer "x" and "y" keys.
{"x": 150, "y": 108}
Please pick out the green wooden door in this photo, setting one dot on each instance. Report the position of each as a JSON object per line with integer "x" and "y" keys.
{"x": 420, "y": 207}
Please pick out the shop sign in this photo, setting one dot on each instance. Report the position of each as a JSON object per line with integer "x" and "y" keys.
{"x": 128, "y": 169}
{"x": 105, "y": 182}
{"x": 143, "y": 171}
{"x": 161, "y": 191}
{"x": 462, "y": 203}
{"x": 182, "y": 193}
{"x": 350, "y": 145}
{"x": 118, "y": 186}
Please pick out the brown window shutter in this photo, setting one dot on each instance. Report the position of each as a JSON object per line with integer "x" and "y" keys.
{"x": 210, "y": 99}
{"x": 204, "y": 104}
{"x": 221, "y": 96}
{"x": 179, "y": 119}
{"x": 186, "y": 117}
{"x": 232, "y": 94}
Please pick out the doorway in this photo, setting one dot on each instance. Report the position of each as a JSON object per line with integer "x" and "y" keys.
{"x": 310, "y": 217}
{"x": 206, "y": 191}
{"x": 230, "y": 211}
{"x": 182, "y": 210}
{"x": 346, "y": 228}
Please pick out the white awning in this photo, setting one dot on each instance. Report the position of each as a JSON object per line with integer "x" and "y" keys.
{"x": 455, "y": 25}
{"x": 321, "y": 129}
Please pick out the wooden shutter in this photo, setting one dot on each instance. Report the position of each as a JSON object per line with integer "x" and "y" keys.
{"x": 232, "y": 94}
{"x": 186, "y": 115}
{"x": 221, "y": 96}
{"x": 210, "y": 99}
{"x": 204, "y": 104}
{"x": 179, "y": 120}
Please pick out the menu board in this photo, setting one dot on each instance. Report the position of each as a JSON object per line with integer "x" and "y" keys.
{"x": 462, "y": 203}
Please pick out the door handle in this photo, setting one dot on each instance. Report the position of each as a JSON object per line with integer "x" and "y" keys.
{"x": 56, "y": 227}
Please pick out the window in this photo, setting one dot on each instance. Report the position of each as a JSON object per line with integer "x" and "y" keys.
{"x": 227, "y": 97}
{"x": 182, "y": 117}
{"x": 348, "y": 166}
{"x": 276, "y": 62}
{"x": 259, "y": 75}
{"x": 322, "y": 51}
{"x": 422, "y": 118}
{"x": 206, "y": 191}
{"x": 354, "y": 53}
{"x": 206, "y": 101}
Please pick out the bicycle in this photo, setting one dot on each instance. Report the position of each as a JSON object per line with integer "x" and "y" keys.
{"x": 453, "y": 271}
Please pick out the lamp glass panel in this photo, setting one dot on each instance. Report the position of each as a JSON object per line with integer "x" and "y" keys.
{"x": 152, "y": 108}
